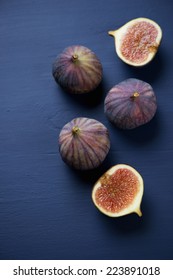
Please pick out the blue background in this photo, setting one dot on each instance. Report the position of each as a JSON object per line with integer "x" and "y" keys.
{"x": 46, "y": 210}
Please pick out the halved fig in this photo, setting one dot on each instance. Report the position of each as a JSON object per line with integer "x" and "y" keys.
{"x": 119, "y": 191}
{"x": 137, "y": 42}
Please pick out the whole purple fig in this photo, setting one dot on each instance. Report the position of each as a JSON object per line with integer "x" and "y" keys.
{"x": 84, "y": 143}
{"x": 130, "y": 104}
{"x": 77, "y": 69}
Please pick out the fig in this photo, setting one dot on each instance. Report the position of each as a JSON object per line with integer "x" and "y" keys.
{"x": 84, "y": 143}
{"x": 77, "y": 69}
{"x": 119, "y": 191}
{"x": 130, "y": 104}
{"x": 137, "y": 42}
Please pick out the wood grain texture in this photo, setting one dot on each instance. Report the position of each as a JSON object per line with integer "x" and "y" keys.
{"x": 45, "y": 207}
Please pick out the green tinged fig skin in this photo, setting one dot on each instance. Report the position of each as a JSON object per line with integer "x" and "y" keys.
{"x": 84, "y": 143}
{"x": 130, "y": 104}
{"x": 77, "y": 69}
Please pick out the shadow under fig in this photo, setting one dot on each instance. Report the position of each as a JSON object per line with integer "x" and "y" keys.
{"x": 90, "y": 99}
{"x": 91, "y": 176}
{"x": 131, "y": 223}
{"x": 150, "y": 72}
{"x": 142, "y": 134}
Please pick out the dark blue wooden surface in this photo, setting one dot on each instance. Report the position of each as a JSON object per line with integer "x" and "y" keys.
{"x": 46, "y": 210}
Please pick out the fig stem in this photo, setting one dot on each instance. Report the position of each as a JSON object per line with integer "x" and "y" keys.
{"x": 75, "y": 130}
{"x": 112, "y": 33}
{"x": 138, "y": 211}
{"x": 135, "y": 94}
{"x": 74, "y": 57}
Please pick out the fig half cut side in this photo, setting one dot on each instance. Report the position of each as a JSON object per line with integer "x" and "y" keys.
{"x": 119, "y": 191}
{"x": 137, "y": 41}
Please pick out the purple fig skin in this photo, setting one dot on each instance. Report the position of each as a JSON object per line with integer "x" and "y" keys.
{"x": 130, "y": 104}
{"x": 77, "y": 69}
{"x": 84, "y": 143}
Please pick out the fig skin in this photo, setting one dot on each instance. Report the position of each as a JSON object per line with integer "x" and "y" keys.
{"x": 84, "y": 143}
{"x": 130, "y": 104}
{"x": 137, "y": 41}
{"x": 77, "y": 69}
